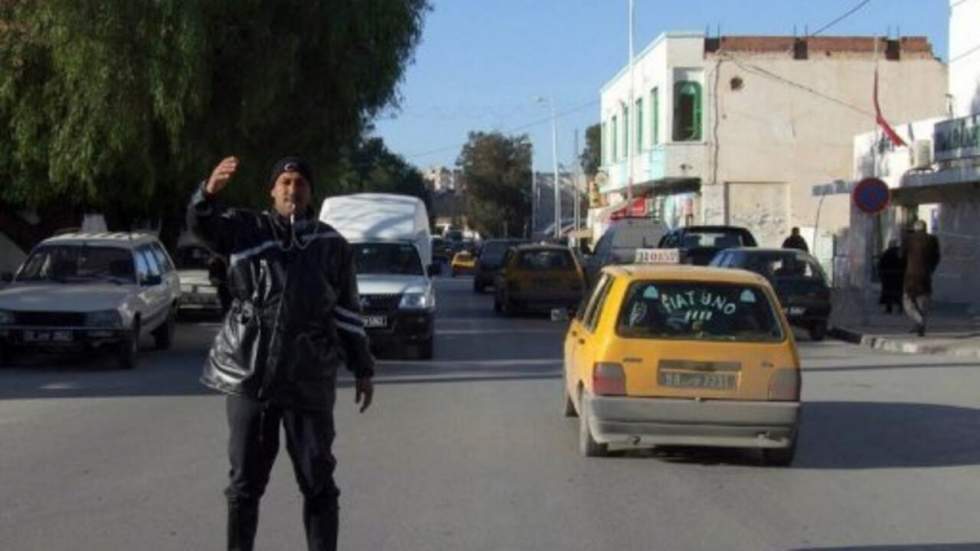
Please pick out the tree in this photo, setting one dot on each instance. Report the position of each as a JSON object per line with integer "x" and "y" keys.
{"x": 123, "y": 106}
{"x": 497, "y": 172}
{"x": 372, "y": 167}
{"x": 591, "y": 156}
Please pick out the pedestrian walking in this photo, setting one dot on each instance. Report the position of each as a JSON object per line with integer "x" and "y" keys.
{"x": 796, "y": 241}
{"x": 921, "y": 260}
{"x": 891, "y": 271}
{"x": 294, "y": 320}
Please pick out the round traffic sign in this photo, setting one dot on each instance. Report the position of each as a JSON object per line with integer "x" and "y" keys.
{"x": 871, "y": 195}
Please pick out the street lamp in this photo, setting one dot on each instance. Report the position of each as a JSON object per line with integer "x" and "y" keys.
{"x": 554, "y": 160}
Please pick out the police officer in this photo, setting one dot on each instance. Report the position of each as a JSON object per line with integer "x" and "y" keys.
{"x": 294, "y": 320}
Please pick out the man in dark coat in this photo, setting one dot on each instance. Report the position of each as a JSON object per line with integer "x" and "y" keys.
{"x": 921, "y": 260}
{"x": 796, "y": 241}
{"x": 294, "y": 321}
{"x": 891, "y": 271}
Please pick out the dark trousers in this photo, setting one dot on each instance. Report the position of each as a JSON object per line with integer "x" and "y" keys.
{"x": 252, "y": 448}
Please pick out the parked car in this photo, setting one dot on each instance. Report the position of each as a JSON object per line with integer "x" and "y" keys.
{"x": 200, "y": 289}
{"x": 699, "y": 244}
{"x": 618, "y": 245}
{"x": 798, "y": 279}
{"x": 91, "y": 291}
{"x": 489, "y": 260}
{"x": 463, "y": 263}
{"x": 393, "y": 255}
{"x": 683, "y": 355}
{"x": 538, "y": 277}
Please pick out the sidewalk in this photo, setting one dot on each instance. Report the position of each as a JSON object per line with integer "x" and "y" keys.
{"x": 952, "y": 329}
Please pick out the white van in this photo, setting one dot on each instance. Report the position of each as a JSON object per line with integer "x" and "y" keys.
{"x": 393, "y": 254}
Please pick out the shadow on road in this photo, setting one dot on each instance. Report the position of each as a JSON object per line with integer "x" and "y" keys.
{"x": 860, "y": 435}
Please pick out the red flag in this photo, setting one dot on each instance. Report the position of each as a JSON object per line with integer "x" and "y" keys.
{"x": 887, "y": 128}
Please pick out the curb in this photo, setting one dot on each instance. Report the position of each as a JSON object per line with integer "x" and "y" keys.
{"x": 901, "y": 346}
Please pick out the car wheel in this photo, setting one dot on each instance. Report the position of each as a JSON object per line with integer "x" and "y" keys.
{"x": 163, "y": 336}
{"x": 128, "y": 349}
{"x": 818, "y": 330}
{"x": 587, "y": 446}
{"x": 426, "y": 349}
{"x": 780, "y": 457}
{"x": 568, "y": 407}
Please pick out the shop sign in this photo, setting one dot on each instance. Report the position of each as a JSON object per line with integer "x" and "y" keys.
{"x": 957, "y": 138}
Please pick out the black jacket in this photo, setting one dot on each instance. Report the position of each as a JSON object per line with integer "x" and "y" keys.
{"x": 921, "y": 259}
{"x": 796, "y": 242}
{"x": 295, "y": 313}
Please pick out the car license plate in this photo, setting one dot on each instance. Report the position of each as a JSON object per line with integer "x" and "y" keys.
{"x": 375, "y": 321}
{"x": 716, "y": 381}
{"x": 796, "y": 310}
{"x": 48, "y": 336}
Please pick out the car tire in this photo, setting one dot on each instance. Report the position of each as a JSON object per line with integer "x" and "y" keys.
{"x": 163, "y": 336}
{"x": 818, "y": 330}
{"x": 426, "y": 349}
{"x": 568, "y": 406}
{"x": 779, "y": 457}
{"x": 587, "y": 446}
{"x": 127, "y": 350}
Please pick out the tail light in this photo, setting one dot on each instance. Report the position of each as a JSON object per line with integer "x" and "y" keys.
{"x": 784, "y": 385}
{"x": 608, "y": 379}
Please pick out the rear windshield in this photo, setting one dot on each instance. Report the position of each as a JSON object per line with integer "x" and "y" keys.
{"x": 545, "y": 260}
{"x": 698, "y": 311}
{"x": 720, "y": 239}
{"x": 786, "y": 266}
{"x": 387, "y": 258}
{"x": 493, "y": 251}
{"x": 636, "y": 238}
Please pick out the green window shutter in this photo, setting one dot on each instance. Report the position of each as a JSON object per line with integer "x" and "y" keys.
{"x": 639, "y": 125}
{"x": 696, "y": 133}
{"x": 687, "y": 111}
{"x": 655, "y": 127}
{"x": 626, "y": 131}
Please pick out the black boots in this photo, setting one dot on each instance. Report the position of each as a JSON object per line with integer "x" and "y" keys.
{"x": 243, "y": 520}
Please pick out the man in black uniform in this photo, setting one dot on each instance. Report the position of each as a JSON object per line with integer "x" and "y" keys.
{"x": 294, "y": 319}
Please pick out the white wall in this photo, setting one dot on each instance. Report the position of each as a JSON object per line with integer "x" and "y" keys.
{"x": 964, "y": 56}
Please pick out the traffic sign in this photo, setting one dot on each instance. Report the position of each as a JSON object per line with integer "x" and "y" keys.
{"x": 871, "y": 195}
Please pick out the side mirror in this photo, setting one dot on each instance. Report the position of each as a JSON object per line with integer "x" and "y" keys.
{"x": 6, "y": 277}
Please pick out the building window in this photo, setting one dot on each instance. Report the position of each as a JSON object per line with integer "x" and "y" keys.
{"x": 613, "y": 137}
{"x": 687, "y": 111}
{"x": 639, "y": 125}
{"x": 626, "y": 131}
{"x": 655, "y": 116}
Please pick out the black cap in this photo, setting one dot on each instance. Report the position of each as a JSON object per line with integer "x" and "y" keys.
{"x": 291, "y": 164}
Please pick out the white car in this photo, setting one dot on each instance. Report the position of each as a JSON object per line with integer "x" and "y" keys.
{"x": 197, "y": 292}
{"x": 91, "y": 291}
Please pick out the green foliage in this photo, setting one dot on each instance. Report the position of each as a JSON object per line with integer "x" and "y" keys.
{"x": 372, "y": 168}
{"x": 591, "y": 157}
{"x": 497, "y": 172}
{"x": 122, "y": 105}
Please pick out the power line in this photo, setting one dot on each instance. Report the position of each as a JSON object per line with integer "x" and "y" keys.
{"x": 531, "y": 124}
{"x": 840, "y": 18}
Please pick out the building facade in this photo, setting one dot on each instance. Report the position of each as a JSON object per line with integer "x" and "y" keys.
{"x": 737, "y": 129}
{"x": 936, "y": 178}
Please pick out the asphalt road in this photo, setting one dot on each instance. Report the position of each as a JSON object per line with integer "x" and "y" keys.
{"x": 470, "y": 452}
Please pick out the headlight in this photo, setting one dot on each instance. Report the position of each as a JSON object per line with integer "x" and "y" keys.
{"x": 417, "y": 301}
{"x": 7, "y": 318}
{"x": 105, "y": 318}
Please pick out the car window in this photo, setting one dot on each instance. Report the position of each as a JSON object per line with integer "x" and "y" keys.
{"x": 151, "y": 261}
{"x": 163, "y": 259}
{"x": 594, "y": 310}
{"x": 544, "y": 260}
{"x": 668, "y": 241}
{"x": 78, "y": 263}
{"x": 721, "y": 239}
{"x": 387, "y": 258}
{"x": 698, "y": 311}
{"x": 142, "y": 268}
{"x": 630, "y": 237}
{"x": 721, "y": 260}
{"x": 193, "y": 257}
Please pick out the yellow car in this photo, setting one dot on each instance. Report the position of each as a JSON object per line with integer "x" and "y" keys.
{"x": 463, "y": 263}
{"x": 538, "y": 277}
{"x": 683, "y": 355}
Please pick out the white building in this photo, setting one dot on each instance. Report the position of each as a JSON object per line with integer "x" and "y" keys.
{"x": 737, "y": 129}
{"x": 936, "y": 179}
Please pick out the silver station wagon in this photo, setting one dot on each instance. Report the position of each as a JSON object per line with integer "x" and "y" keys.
{"x": 82, "y": 291}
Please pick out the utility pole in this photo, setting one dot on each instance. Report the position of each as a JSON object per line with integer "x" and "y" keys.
{"x": 554, "y": 155}
{"x": 575, "y": 184}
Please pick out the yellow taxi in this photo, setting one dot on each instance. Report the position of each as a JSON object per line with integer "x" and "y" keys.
{"x": 538, "y": 277}
{"x": 464, "y": 262}
{"x": 683, "y": 355}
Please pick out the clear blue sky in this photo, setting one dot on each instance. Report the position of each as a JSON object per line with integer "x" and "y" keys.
{"x": 481, "y": 62}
